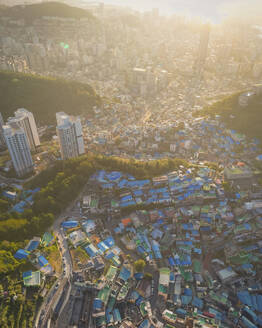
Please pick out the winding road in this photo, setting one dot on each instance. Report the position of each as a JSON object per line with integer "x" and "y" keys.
{"x": 45, "y": 310}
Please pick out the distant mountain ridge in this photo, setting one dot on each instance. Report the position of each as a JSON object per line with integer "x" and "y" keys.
{"x": 44, "y": 96}
{"x": 38, "y": 10}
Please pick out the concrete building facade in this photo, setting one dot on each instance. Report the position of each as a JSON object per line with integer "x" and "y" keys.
{"x": 26, "y": 121}
{"x": 69, "y": 132}
{"x": 19, "y": 149}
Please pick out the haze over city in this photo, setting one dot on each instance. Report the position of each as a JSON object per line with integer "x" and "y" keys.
{"x": 214, "y": 10}
{"x": 130, "y": 164}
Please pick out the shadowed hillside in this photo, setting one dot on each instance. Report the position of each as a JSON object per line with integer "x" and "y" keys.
{"x": 246, "y": 120}
{"x": 44, "y": 96}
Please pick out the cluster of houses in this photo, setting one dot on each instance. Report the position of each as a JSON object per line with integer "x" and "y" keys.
{"x": 19, "y": 199}
{"x": 201, "y": 246}
{"x": 32, "y": 254}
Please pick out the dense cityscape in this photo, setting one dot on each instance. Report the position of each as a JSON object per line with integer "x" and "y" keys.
{"x": 140, "y": 205}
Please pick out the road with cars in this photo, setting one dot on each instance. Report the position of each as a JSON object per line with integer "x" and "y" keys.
{"x": 45, "y": 311}
{"x": 56, "y": 291}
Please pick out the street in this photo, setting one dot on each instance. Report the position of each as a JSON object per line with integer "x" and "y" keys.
{"x": 45, "y": 310}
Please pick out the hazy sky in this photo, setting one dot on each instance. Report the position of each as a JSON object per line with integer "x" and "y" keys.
{"x": 212, "y": 9}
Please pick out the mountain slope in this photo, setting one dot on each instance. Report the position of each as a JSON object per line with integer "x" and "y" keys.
{"x": 53, "y": 9}
{"x": 247, "y": 120}
{"x": 44, "y": 96}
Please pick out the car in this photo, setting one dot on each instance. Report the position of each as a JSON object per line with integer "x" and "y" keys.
{"x": 57, "y": 285}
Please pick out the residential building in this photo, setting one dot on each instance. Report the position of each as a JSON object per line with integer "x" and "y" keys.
{"x": 69, "y": 131}
{"x": 18, "y": 146}
{"x": 26, "y": 121}
{"x": 203, "y": 44}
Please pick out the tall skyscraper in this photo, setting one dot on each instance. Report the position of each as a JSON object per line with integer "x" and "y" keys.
{"x": 70, "y": 135}
{"x": 203, "y": 46}
{"x": 26, "y": 121}
{"x": 2, "y": 138}
{"x": 18, "y": 146}
{"x": 199, "y": 65}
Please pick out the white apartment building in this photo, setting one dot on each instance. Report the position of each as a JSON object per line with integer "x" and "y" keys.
{"x": 18, "y": 146}
{"x": 70, "y": 135}
{"x": 26, "y": 121}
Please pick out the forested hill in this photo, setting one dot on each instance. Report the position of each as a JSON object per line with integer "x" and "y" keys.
{"x": 51, "y": 9}
{"x": 44, "y": 96}
{"x": 247, "y": 120}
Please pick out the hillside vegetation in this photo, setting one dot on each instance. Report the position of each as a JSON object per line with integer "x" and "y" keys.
{"x": 60, "y": 185}
{"x": 247, "y": 120}
{"x": 51, "y": 9}
{"x": 44, "y": 96}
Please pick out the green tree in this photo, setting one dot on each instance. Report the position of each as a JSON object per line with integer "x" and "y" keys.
{"x": 139, "y": 265}
{"x": 3, "y": 205}
{"x": 43, "y": 96}
{"x": 7, "y": 262}
{"x": 227, "y": 187}
{"x": 148, "y": 276}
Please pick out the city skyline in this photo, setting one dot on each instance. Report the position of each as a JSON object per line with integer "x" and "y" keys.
{"x": 213, "y": 11}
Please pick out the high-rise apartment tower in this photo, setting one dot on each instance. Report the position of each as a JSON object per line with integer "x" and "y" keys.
{"x": 70, "y": 135}
{"x": 19, "y": 149}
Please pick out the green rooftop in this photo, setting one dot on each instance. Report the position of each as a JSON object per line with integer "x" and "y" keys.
{"x": 197, "y": 266}
{"x": 205, "y": 209}
{"x": 240, "y": 258}
{"x": 164, "y": 271}
{"x": 94, "y": 203}
{"x": 143, "y": 309}
{"x": 187, "y": 275}
{"x": 123, "y": 291}
{"x": 162, "y": 289}
{"x": 170, "y": 315}
{"x": 47, "y": 239}
{"x": 218, "y": 298}
{"x": 111, "y": 273}
{"x": 114, "y": 203}
{"x": 34, "y": 279}
{"x": 104, "y": 293}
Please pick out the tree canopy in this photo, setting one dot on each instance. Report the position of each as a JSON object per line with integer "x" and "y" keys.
{"x": 60, "y": 185}
{"x": 44, "y": 96}
{"x": 139, "y": 265}
{"x": 7, "y": 262}
{"x": 247, "y": 120}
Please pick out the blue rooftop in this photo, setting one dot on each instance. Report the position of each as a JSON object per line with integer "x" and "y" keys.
{"x": 42, "y": 261}
{"x": 21, "y": 254}
{"x": 125, "y": 274}
{"x": 69, "y": 224}
{"x": 33, "y": 245}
